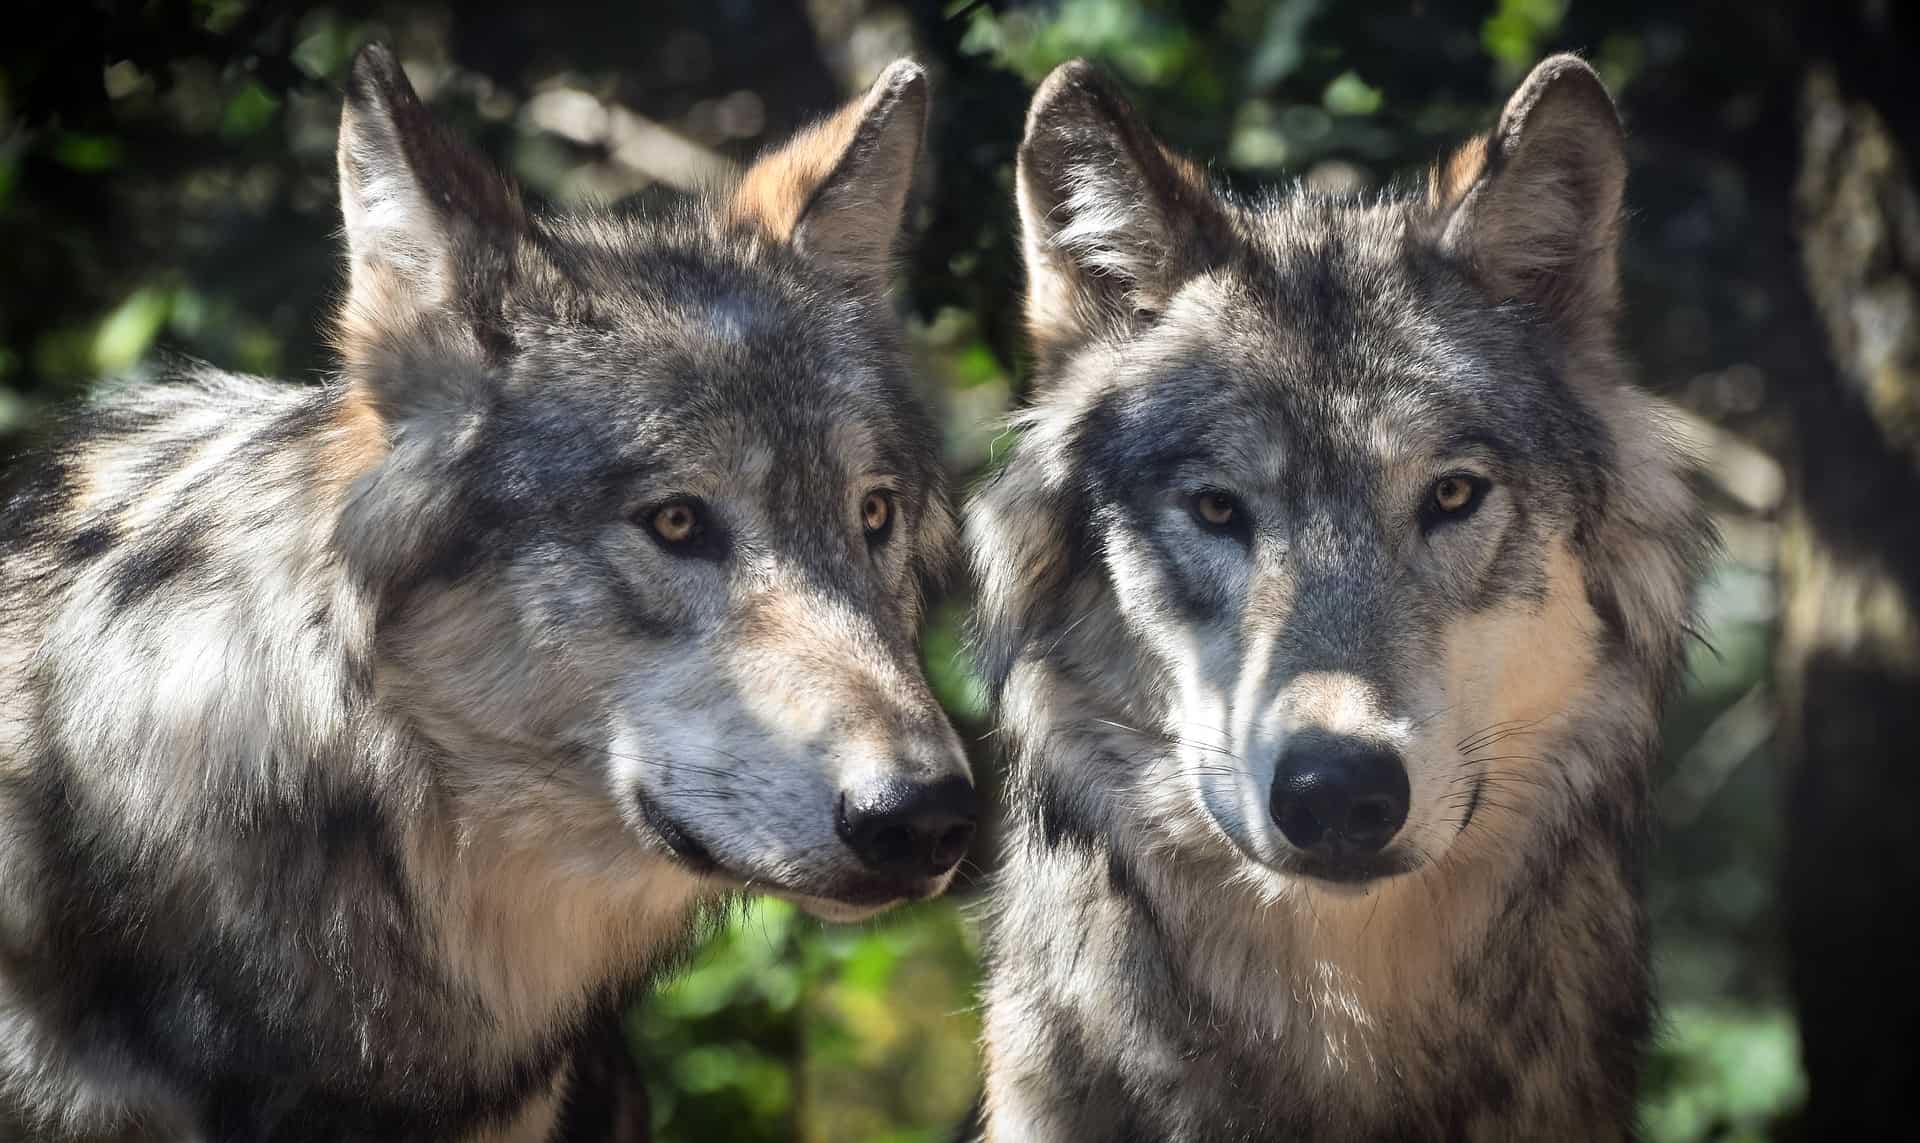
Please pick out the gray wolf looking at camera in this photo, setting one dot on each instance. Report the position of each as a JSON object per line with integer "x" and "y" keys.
{"x": 364, "y": 747}
{"x": 1329, "y": 600}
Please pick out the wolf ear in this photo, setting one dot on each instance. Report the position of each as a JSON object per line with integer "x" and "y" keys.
{"x": 430, "y": 225}
{"x": 839, "y": 189}
{"x": 1112, "y": 221}
{"x": 1535, "y": 206}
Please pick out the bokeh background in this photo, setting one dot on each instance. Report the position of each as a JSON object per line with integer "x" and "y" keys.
{"x": 166, "y": 186}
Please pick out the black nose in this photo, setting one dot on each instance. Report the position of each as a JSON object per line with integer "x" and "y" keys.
{"x": 1335, "y": 795}
{"x": 909, "y": 829}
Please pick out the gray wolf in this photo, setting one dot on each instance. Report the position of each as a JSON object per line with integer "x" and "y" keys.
{"x": 364, "y": 747}
{"x": 1329, "y": 599}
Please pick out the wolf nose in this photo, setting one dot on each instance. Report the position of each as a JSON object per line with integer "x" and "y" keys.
{"x": 909, "y": 829}
{"x": 1334, "y": 794}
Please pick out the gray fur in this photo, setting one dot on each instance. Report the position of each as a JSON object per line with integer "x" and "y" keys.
{"x": 363, "y": 747}
{"x": 1163, "y": 964}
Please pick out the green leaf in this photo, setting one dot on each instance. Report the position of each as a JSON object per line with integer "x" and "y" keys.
{"x": 1513, "y": 35}
{"x": 14, "y": 409}
{"x": 951, "y": 670}
{"x": 86, "y": 152}
{"x": 1348, "y": 94}
{"x": 1721, "y": 1072}
{"x": 248, "y": 112}
{"x": 124, "y": 335}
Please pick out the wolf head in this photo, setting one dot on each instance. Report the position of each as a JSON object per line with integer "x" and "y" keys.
{"x": 648, "y": 506}
{"x": 1332, "y": 523}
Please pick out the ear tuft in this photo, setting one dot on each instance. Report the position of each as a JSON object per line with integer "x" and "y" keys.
{"x": 1112, "y": 220}
{"x": 1449, "y": 182}
{"x": 839, "y": 189}
{"x": 1535, "y": 206}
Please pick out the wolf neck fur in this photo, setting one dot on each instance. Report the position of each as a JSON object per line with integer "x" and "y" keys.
{"x": 1346, "y": 977}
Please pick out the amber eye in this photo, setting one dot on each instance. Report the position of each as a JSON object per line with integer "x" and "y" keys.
{"x": 676, "y": 523}
{"x": 1452, "y": 499}
{"x": 1215, "y": 509}
{"x": 876, "y": 514}
{"x": 1452, "y": 493}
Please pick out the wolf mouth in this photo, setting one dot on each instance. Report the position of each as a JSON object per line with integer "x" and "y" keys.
{"x": 1350, "y": 872}
{"x": 693, "y": 854}
{"x": 684, "y": 845}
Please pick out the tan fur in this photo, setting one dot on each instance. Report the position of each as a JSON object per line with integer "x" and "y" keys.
{"x": 1333, "y": 700}
{"x": 838, "y": 189}
{"x": 379, "y": 305}
{"x": 1449, "y": 182}
{"x": 357, "y": 442}
{"x": 851, "y": 683}
{"x": 531, "y": 931}
{"x": 1524, "y": 663}
{"x": 776, "y": 190}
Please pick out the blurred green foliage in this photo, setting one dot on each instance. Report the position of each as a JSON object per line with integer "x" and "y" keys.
{"x": 166, "y": 185}
{"x": 787, "y": 1029}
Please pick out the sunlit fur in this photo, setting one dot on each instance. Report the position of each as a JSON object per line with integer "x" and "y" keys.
{"x": 362, "y": 748}
{"x": 1161, "y": 963}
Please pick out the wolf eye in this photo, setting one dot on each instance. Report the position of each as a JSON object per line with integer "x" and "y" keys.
{"x": 1452, "y": 494}
{"x": 1452, "y": 498}
{"x": 684, "y": 527}
{"x": 876, "y": 516}
{"x": 676, "y": 523}
{"x": 1218, "y": 511}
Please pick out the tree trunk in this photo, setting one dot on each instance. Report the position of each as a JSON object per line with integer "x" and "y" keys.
{"x": 1849, "y": 655}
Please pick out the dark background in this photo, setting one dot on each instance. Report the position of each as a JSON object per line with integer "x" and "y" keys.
{"x": 166, "y": 185}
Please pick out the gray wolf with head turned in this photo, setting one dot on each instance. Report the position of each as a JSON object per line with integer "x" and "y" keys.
{"x": 1329, "y": 599}
{"x": 364, "y": 747}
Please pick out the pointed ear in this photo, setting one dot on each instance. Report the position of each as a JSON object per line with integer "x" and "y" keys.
{"x": 430, "y": 225}
{"x": 1535, "y": 206}
{"x": 839, "y": 189}
{"x": 1112, "y": 221}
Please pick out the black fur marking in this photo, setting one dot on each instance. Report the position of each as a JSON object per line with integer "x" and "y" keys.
{"x": 1062, "y": 819}
{"x": 1477, "y": 789}
{"x": 606, "y": 1099}
{"x": 149, "y": 568}
{"x": 89, "y": 543}
{"x": 33, "y": 492}
{"x": 1606, "y": 606}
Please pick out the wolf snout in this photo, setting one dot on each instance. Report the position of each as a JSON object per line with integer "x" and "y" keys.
{"x": 909, "y": 830}
{"x": 1336, "y": 796}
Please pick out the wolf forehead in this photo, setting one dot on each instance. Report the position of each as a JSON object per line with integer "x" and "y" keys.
{"x": 637, "y": 349}
{"x": 1330, "y": 340}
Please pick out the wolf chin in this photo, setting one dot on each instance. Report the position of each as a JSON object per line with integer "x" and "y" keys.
{"x": 1329, "y": 600}
{"x": 365, "y": 746}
